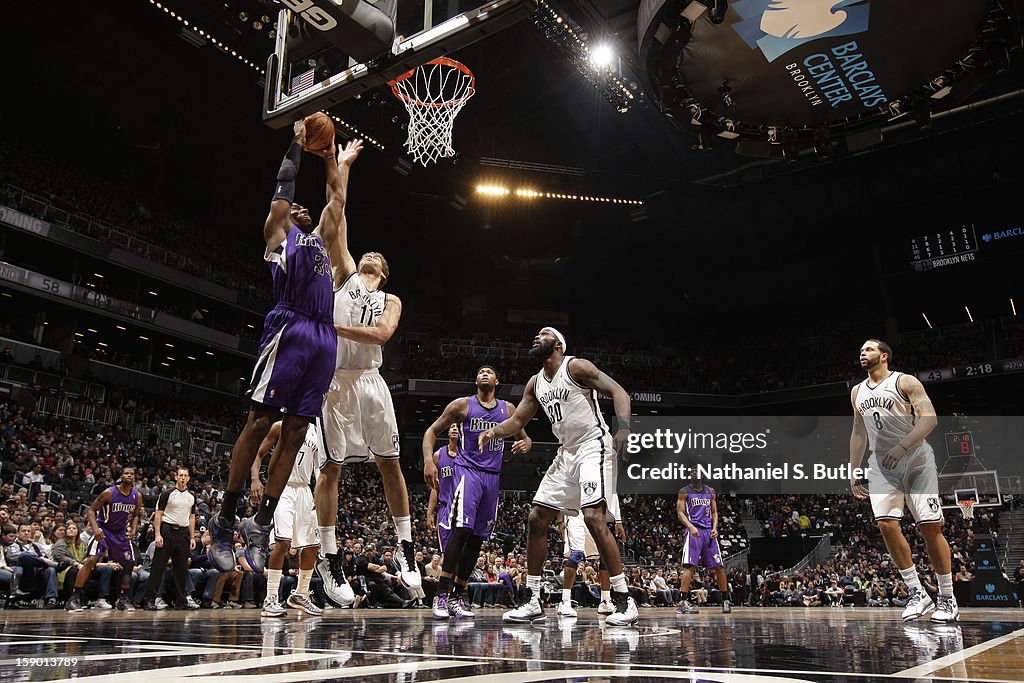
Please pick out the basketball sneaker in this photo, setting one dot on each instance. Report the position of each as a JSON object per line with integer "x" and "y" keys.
{"x": 565, "y": 609}
{"x": 272, "y": 608}
{"x": 336, "y": 585}
{"x": 302, "y": 602}
{"x": 222, "y": 550}
{"x": 101, "y": 604}
{"x": 457, "y": 608}
{"x": 686, "y": 607}
{"x": 606, "y": 607}
{"x": 410, "y": 571}
{"x": 625, "y": 613}
{"x": 726, "y": 606}
{"x": 257, "y": 538}
{"x": 946, "y": 611}
{"x": 441, "y": 607}
{"x": 530, "y": 612}
{"x": 190, "y": 603}
{"x": 918, "y": 605}
{"x": 74, "y": 604}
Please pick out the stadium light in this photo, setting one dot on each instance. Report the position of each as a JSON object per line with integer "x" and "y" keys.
{"x": 602, "y": 56}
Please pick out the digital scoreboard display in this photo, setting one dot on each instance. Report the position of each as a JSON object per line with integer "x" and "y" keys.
{"x": 946, "y": 248}
{"x": 959, "y": 444}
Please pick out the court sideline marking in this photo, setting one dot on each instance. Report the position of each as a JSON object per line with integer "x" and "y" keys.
{"x": 956, "y": 657}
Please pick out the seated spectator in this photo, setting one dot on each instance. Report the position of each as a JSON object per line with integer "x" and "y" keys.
{"x": 39, "y": 572}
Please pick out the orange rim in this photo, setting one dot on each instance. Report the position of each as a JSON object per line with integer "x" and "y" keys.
{"x": 443, "y": 61}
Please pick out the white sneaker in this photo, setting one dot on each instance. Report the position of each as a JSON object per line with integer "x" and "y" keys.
{"x": 626, "y": 612}
{"x": 606, "y": 607}
{"x": 302, "y": 602}
{"x": 272, "y": 608}
{"x": 336, "y": 584}
{"x": 918, "y": 605}
{"x": 191, "y": 603}
{"x": 160, "y": 603}
{"x": 101, "y": 604}
{"x": 440, "y": 610}
{"x": 946, "y": 611}
{"x": 565, "y": 609}
{"x": 407, "y": 563}
{"x": 530, "y": 612}
{"x": 457, "y": 608}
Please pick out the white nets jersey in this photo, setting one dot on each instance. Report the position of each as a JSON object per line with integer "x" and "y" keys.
{"x": 356, "y": 306}
{"x": 305, "y": 467}
{"x": 572, "y": 408}
{"x": 887, "y": 412}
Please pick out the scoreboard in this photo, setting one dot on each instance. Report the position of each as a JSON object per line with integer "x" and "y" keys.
{"x": 944, "y": 248}
{"x": 985, "y": 369}
{"x": 959, "y": 444}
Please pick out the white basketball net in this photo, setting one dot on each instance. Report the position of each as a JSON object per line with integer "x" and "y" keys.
{"x": 966, "y": 508}
{"x": 433, "y": 94}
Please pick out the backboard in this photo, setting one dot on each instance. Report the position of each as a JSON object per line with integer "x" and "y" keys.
{"x": 333, "y": 50}
{"x": 983, "y": 484}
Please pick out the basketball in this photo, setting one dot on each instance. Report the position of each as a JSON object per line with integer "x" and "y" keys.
{"x": 319, "y": 132}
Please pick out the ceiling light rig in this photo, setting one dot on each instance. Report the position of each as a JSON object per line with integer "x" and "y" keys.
{"x": 223, "y": 47}
{"x": 593, "y": 63}
{"x": 526, "y": 193}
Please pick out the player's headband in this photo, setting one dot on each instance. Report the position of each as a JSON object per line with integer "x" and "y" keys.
{"x": 559, "y": 336}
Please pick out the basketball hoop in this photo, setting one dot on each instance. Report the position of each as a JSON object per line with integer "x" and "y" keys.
{"x": 433, "y": 95}
{"x": 967, "y": 508}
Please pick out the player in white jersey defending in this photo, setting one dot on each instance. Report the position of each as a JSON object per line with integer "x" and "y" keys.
{"x": 359, "y": 416}
{"x": 892, "y": 417}
{"x": 294, "y": 521}
{"x": 580, "y": 545}
{"x": 582, "y": 476}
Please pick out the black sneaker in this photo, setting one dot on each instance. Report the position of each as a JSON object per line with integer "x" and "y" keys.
{"x": 74, "y": 604}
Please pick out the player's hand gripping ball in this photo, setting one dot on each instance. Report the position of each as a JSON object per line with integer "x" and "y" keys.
{"x": 319, "y": 132}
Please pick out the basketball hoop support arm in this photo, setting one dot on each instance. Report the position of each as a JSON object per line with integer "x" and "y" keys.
{"x": 280, "y": 109}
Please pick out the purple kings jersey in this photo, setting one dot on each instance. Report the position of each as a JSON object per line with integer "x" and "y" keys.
{"x": 445, "y": 478}
{"x": 301, "y": 271}
{"x": 480, "y": 419}
{"x": 698, "y": 506}
{"x": 114, "y": 517}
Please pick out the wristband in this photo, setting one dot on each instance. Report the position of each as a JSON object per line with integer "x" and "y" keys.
{"x": 621, "y": 423}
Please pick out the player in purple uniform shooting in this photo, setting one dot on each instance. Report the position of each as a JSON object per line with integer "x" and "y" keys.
{"x": 476, "y": 482}
{"x": 297, "y": 350}
{"x": 697, "y": 508}
{"x": 113, "y": 519}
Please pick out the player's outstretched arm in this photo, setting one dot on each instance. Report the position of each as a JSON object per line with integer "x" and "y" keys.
{"x": 587, "y": 374}
{"x": 276, "y": 227}
{"x": 523, "y": 443}
{"x": 454, "y": 413}
{"x": 333, "y": 222}
{"x": 268, "y": 443}
{"x": 515, "y": 424}
{"x": 858, "y": 443}
{"x": 379, "y": 333}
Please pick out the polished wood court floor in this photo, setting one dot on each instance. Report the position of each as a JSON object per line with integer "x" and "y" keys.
{"x": 750, "y": 645}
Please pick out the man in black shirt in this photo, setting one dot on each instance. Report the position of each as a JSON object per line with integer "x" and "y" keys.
{"x": 175, "y": 525}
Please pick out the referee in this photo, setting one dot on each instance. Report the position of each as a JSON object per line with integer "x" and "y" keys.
{"x": 175, "y": 524}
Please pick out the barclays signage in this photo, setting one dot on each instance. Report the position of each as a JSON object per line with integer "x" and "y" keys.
{"x": 989, "y": 587}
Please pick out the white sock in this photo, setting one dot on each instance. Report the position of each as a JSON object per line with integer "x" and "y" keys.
{"x": 274, "y": 584}
{"x": 404, "y": 527}
{"x": 619, "y": 584}
{"x": 945, "y": 583}
{"x": 606, "y": 596}
{"x": 910, "y": 578}
{"x": 533, "y": 583}
{"x": 305, "y": 575}
{"x": 329, "y": 540}
{"x": 566, "y": 596}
